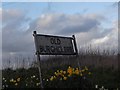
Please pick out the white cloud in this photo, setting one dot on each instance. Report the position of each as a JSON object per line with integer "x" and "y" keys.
{"x": 65, "y": 24}
{"x": 101, "y": 40}
{"x": 110, "y": 40}
{"x": 87, "y": 28}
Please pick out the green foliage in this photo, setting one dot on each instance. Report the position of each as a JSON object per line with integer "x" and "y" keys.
{"x": 29, "y": 78}
{"x": 24, "y": 78}
{"x": 103, "y": 67}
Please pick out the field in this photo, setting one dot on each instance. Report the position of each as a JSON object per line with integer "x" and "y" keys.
{"x": 89, "y": 70}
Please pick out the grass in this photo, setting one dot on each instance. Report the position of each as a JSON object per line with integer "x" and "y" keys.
{"x": 104, "y": 67}
{"x": 107, "y": 78}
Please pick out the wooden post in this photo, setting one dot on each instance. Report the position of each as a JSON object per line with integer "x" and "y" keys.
{"x": 75, "y": 45}
{"x": 38, "y": 58}
{"x": 76, "y": 50}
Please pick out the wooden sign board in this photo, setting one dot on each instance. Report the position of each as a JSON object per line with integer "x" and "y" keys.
{"x": 54, "y": 45}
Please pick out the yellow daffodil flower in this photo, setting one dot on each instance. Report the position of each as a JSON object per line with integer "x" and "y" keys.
{"x": 37, "y": 84}
{"x": 61, "y": 71}
{"x": 76, "y": 72}
{"x": 65, "y": 78}
{"x": 89, "y": 73}
{"x": 64, "y": 72}
{"x": 83, "y": 70}
{"x": 12, "y": 80}
{"x": 86, "y": 68}
{"x": 81, "y": 74}
{"x": 16, "y": 84}
{"x": 18, "y": 79}
{"x": 51, "y": 79}
{"x": 70, "y": 70}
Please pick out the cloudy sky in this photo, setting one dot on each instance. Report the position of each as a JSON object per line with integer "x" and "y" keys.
{"x": 92, "y": 23}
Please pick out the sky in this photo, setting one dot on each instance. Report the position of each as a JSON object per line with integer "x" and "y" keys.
{"x": 93, "y": 23}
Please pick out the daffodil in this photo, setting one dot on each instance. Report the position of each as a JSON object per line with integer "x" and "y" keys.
{"x": 6, "y": 86}
{"x": 18, "y": 79}
{"x": 47, "y": 80}
{"x": 26, "y": 84}
{"x": 64, "y": 72}
{"x": 3, "y": 78}
{"x": 58, "y": 71}
{"x": 69, "y": 75}
{"x": 76, "y": 72}
{"x": 12, "y": 80}
{"x": 16, "y": 84}
{"x": 3, "y": 86}
{"x": 33, "y": 76}
{"x": 38, "y": 79}
{"x": 83, "y": 70}
{"x": 77, "y": 68}
{"x": 96, "y": 86}
{"x": 86, "y": 68}
{"x": 55, "y": 73}
{"x": 81, "y": 74}
{"x": 37, "y": 84}
{"x": 60, "y": 78}
{"x": 89, "y": 73}
{"x": 69, "y": 67}
{"x": 51, "y": 79}
{"x": 80, "y": 71}
{"x": 63, "y": 75}
{"x": 61, "y": 71}
{"x": 54, "y": 77}
{"x": 65, "y": 78}
{"x": 70, "y": 70}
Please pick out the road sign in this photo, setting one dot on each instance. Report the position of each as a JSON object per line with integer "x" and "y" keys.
{"x": 54, "y": 45}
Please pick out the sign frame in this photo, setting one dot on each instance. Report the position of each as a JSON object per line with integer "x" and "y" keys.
{"x": 73, "y": 42}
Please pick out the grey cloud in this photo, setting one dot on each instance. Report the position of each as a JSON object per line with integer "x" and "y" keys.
{"x": 66, "y": 24}
{"x": 12, "y": 34}
{"x": 84, "y": 27}
{"x": 18, "y": 41}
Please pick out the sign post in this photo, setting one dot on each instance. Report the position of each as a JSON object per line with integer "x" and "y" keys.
{"x": 54, "y": 45}
{"x": 38, "y": 58}
{"x": 75, "y": 45}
